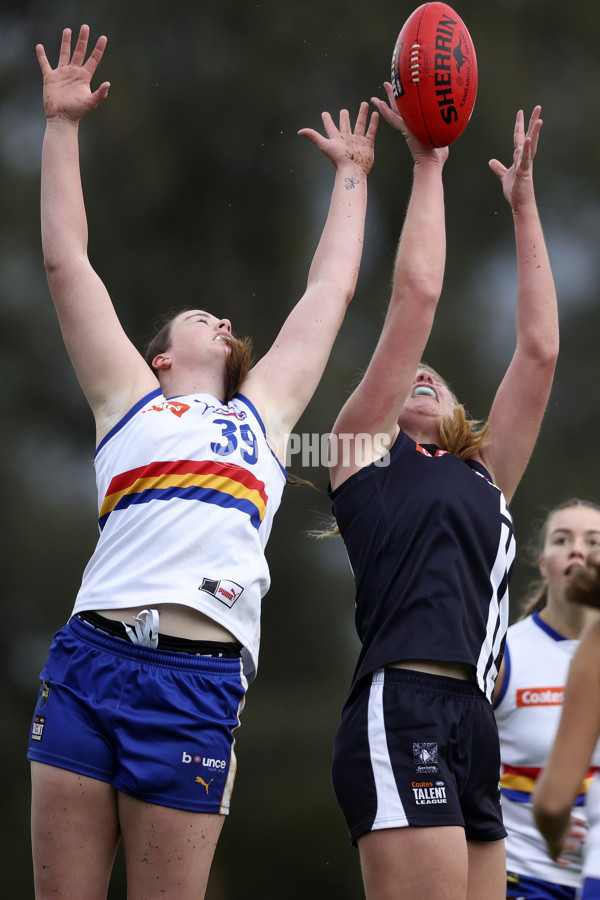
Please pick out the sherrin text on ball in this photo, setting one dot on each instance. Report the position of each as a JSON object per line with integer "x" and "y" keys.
{"x": 434, "y": 74}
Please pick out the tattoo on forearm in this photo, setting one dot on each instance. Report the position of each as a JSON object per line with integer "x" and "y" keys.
{"x": 351, "y": 183}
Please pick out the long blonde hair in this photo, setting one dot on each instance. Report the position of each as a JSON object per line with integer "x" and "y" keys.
{"x": 459, "y": 435}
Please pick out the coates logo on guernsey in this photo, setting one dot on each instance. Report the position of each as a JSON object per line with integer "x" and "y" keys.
{"x": 540, "y": 696}
{"x": 175, "y": 406}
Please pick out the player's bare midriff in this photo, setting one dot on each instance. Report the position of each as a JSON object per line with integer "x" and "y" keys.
{"x": 434, "y": 667}
{"x": 176, "y": 620}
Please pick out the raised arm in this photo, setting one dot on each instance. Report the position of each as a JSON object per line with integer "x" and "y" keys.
{"x": 111, "y": 372}
{"x": 571, "y": 754}
{"x": 284, "y": 380}
{"x": 375, "y": 405}
{"x": 518, "y": 408}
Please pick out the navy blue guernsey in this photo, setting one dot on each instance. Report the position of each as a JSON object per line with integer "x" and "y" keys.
{"x": 431, "y": 545}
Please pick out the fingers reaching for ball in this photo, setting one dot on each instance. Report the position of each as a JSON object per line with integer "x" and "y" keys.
{"x": 67, "y": 91}
{"x": 517, "y": 180}
{"x": 390, "y": 113}
{"x": 345, "y": 145}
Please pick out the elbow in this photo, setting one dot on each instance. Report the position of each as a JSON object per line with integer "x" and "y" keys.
{"x": 422, "y": 293}
{"x": 56, "y": 273}
{"x": 51, "y": 266}
{"x": 342, "y": 291}
{"x": 547, "y": 354}
{"x": 54, "y": 261}
{"x": 346, "y": 293}
{"x": 59, "y": 265}
{"x": 543, "y": 351}
{"x": 425, "y": 284}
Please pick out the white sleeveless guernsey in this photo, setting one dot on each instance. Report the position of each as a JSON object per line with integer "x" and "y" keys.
{"x": 528, "y": 710}
{"x": 591, "y": 850}
{"x": 187, "y": 491}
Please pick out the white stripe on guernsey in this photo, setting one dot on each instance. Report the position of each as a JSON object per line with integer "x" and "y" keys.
{"x": 390, "y": 811}
{"x": 231, "y": 773}
{"x": 498, "y": 608}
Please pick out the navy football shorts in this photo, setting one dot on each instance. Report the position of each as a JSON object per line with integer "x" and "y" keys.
{"x": 418, "y": 749}
{"x": 591, "y": 889}
{"x": 156, "y": 724}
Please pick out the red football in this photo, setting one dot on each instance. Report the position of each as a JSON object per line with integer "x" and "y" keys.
{"x": 434, "y": 74}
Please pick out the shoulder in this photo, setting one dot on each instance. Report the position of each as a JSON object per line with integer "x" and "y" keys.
{"x": 482, "y": 460}
{"x": 532, "y": 635}
{"x": 152, "y": 400}
{"x": 520, "y": 629}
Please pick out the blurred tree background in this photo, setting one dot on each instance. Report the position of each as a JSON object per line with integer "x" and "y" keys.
{"x": 199, "y": 191}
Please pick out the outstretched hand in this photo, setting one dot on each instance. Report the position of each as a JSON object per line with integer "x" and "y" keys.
{"x": 67, "y": 91}
{"x": 517, "y": 181}
{"x": 390, "y": 113}
{"x": 344, "y": 145}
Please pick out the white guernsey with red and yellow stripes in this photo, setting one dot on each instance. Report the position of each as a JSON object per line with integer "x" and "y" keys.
{"x": 528, "y": 710}
{"x": 187, "y": 491}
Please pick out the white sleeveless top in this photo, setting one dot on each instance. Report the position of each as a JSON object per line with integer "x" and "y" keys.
{"x": 187, "y": 491}
{"x": 528, "y": 710}
{"x": 591, "y": 850}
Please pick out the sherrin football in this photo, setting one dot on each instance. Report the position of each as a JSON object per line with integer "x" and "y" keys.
{"x": 434, "y": 74}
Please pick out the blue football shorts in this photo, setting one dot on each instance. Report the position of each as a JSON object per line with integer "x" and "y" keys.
{"x": 591, "y": 889}
{"x": 418, "y": 749}
{"x": 521, "y": 887}
{"x": 157, "y": 725}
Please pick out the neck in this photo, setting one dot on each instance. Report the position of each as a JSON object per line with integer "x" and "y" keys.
{"x": 183, "y": 384}
{"x": 420, "y": 428}
{"x": 568, "y": 619}
{"x": 423, "y": 435}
